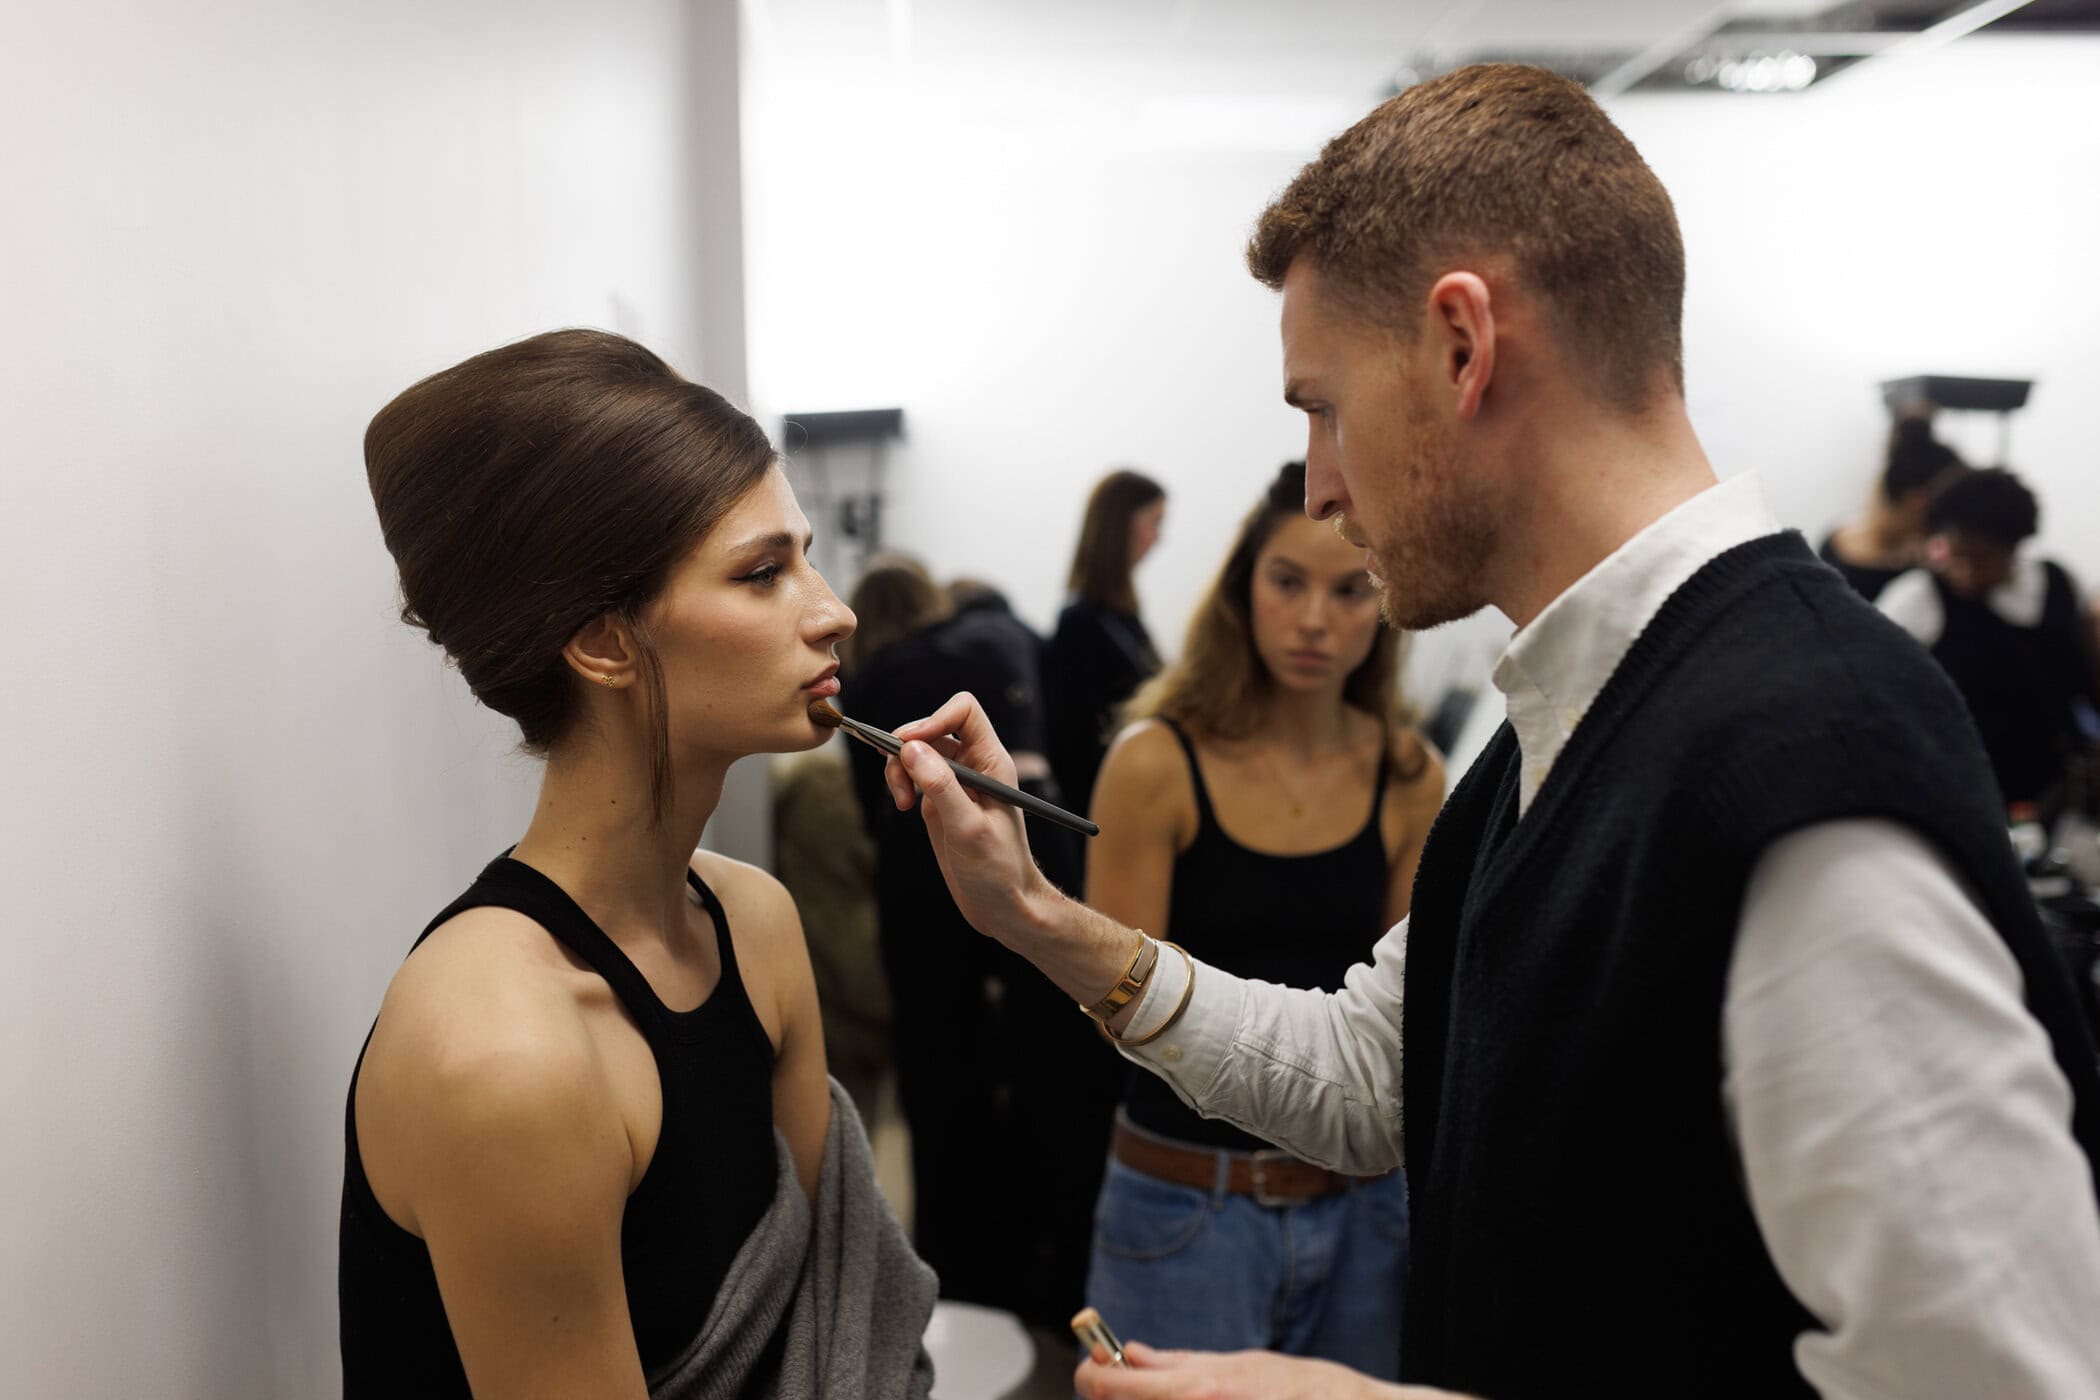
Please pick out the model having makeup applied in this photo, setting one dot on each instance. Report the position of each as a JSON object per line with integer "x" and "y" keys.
{"x": 1722, "y": 1044}
{"x": 592, "y": 1148}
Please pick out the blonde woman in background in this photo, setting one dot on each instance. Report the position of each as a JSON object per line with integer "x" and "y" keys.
{"x": 1266, "y": 810}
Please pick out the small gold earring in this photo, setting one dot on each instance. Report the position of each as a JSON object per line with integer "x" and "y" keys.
{"x": 607, "y": 679}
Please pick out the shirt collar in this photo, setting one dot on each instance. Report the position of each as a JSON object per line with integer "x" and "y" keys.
{"x": 2023, "y": 597}
{"x": 1554, "y": 669}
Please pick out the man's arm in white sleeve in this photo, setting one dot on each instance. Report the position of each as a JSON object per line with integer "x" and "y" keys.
{"x": 1905, "y": 1130}
{"x": 1316, "y": 1073}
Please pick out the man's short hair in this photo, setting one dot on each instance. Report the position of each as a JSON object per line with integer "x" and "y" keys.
{"x": 1992, "y": 503}
{"x": 1496, "y": 159}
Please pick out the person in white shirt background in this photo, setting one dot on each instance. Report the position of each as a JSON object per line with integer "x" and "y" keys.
{"x": 2007, "y": 628}
{"x": 1481, "y": 294}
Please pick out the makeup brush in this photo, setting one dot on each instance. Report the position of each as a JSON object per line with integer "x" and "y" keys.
{"x": 823, "y": 714}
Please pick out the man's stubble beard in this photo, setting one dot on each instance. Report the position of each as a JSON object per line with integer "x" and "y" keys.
{"x": 1437, "y": 543}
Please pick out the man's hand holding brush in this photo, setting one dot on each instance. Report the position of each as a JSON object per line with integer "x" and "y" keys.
{"x": 983, "y": 851}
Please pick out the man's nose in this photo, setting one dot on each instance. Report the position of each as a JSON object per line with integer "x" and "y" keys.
{"x": 1324, "y": 493}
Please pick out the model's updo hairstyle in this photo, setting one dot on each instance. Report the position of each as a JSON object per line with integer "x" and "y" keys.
{"x": 534, "y": 488}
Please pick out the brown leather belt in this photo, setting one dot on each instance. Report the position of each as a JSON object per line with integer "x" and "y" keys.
{"x": 1273, "y": 1178}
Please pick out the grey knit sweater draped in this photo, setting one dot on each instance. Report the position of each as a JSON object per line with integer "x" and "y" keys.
{"x": 823, "y": 1303}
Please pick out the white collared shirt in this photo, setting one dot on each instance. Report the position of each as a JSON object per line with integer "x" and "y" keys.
{"x": 1903, "y": 1129}
{"x": 1912, "y": 599}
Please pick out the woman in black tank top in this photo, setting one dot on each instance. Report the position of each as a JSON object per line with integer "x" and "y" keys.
{"x": 561, "y": 1128}
{"x": 1266, "y": 812}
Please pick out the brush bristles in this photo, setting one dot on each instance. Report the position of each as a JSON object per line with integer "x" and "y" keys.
{"x": 824, "y": 716}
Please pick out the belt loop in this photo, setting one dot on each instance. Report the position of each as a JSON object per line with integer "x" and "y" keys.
{"x": 1221, "y": 1179}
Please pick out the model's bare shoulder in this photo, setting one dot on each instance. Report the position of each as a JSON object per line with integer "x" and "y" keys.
{"x": 761, "y": 911}
{"x": 480, "y": 1046}
{"x": 766, "y": 928}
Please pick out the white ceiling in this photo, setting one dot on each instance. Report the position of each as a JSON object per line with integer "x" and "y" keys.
{"x": 1271, "y": 47}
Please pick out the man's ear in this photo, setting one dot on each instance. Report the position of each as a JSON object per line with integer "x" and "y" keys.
{"x": 1462, "y": 318}
{"x": 604, "y": 652}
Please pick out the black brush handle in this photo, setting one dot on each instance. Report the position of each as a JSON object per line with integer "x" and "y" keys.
{"x": 969, "y": 777}
{"x": 1048, "y": 811}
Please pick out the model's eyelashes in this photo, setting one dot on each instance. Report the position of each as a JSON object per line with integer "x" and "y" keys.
{"x": 765, "y": 575}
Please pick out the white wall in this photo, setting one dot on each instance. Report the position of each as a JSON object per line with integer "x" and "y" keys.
{"x": 1046, "y": 294}
{"x": 234, "y": 784}
{"x": 1939, "y": 214}
{"x": 1046, "y": 276}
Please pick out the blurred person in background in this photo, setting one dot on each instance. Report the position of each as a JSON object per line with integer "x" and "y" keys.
{"x": 985, "y": 615}
{"x": 2006, "y": 627}
{"x": 1100, "y": 652}
{"x": 1267, "y": 809}
{"x": 1006, "y": 1093}
{"x": 984, "y": 621}
{"x": 1888, "y": 538}
{"x": 824, "y": 856}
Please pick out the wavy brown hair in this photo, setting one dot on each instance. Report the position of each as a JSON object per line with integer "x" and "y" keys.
{"x": 1101, "y": 567}
{"x": 1219, "y": 687}
{"x": 534, "y": 488}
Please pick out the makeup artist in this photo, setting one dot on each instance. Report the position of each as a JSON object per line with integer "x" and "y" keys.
{"x": 1735, "y": 1060}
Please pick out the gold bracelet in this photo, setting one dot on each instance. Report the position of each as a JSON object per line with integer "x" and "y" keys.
{"x": 1188, "y": 989}
{"x": 1127, "y": 986}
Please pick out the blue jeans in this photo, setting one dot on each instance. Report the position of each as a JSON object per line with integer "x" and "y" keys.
{"x": 1176, "y": 1267}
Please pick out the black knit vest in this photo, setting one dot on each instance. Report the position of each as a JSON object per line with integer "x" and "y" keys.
{"x": 1580, "y": 1223}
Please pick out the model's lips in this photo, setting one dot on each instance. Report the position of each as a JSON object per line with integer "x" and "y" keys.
{"x": 1309, "y": 658}
{"x": 825, "y": 682}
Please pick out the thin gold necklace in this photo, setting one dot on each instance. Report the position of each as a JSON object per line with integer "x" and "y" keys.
{"x": 1297, "y": 802}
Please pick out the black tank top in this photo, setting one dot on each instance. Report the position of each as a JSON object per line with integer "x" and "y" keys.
{"x": 710, "y": 1180}
{"x": 1302, "y": 921}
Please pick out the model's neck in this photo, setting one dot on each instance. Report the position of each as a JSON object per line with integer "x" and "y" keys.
{"x": 595, "y": 833}
{"x": 1593, "y": 483}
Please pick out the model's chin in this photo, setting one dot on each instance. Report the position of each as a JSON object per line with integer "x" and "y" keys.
{"x": 796, "y": 733}
{"x": 810, "y": 736}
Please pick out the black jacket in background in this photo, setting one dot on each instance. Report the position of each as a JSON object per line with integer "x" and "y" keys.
{"x": 1095, "y": 661}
